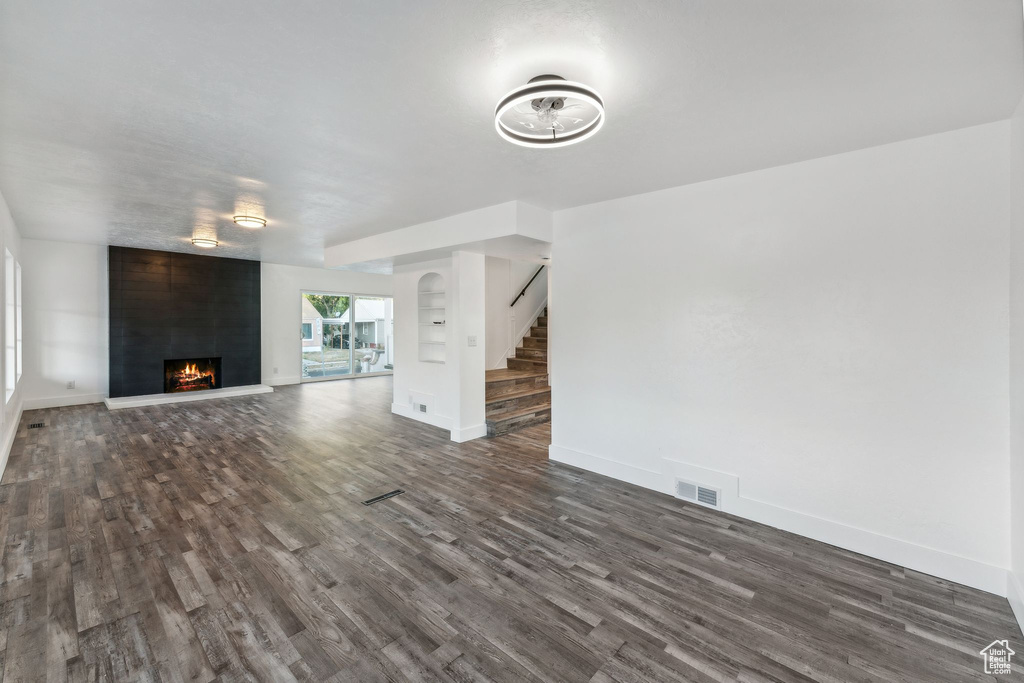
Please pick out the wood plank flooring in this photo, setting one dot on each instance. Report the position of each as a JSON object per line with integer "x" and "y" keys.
{"x": 226, "y": 540}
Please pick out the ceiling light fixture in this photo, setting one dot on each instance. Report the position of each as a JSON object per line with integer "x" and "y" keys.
{"x": 204, "y": 242}
{"x": 247, "y": 221}
{"x": 549, "y": 111}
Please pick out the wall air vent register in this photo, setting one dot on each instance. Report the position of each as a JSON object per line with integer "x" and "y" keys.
{"x": 698, "y": 493}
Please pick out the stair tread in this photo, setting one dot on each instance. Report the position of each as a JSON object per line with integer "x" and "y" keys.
{"x": 531, "y": 391}
{"x": 524, "y": 375}
{"x": 505, "y": 374}
{"x": 504, "y": 417}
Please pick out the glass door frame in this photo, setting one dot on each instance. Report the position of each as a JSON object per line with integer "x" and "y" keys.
{"x": 352, "y": 296}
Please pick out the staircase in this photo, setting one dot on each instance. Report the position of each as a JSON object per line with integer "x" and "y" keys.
{"x": 519, "y": 396}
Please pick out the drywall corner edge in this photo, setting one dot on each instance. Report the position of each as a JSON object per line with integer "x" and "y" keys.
{"x": 980, "y": 575}
{"x": 1015, "y": 596}
{"x": 535, "y": 222}
{"x": 469, "y": 433}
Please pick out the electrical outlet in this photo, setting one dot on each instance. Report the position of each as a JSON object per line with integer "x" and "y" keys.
{"x": 71, "y": 384}
{"x": 275, "y": 371}
{"x": 472, "y": 341}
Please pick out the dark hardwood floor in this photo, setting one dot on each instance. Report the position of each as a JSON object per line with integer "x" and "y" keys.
{"x": 226, "y": 540}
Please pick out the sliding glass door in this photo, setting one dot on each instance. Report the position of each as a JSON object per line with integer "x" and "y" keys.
{"x": 373, "y": 333}
{"x": 344, "y": 335}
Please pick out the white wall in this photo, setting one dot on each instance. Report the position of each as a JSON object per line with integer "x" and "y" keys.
{"x": 826, "y": 341}
{"x": 431, "y": 384}
{"x": 281, "y": 316}
{"x": 469, "y": 331}
{"x": 66, "y": 323}
{"x": 507, "y": 325}
{"x": 1015, "y": 588}
{"x": 10, "y": 415}
{"x": 453, "y": 392}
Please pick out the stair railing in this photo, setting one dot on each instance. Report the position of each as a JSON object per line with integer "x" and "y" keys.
{"x": 523, "y": 293}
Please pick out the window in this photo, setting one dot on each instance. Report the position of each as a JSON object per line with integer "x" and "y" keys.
{"x": 347, "y": 335}
{"x": 9, "y": 346}
{"x": 17, "y": 325}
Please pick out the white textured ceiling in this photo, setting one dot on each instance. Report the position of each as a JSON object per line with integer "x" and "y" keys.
{"x": 130, "y": 122}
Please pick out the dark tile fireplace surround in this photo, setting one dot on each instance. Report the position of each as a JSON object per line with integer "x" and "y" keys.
{"x": 182, "y": 322}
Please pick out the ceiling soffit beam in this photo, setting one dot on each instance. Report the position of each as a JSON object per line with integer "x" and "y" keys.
{"x": 498, "y": 222}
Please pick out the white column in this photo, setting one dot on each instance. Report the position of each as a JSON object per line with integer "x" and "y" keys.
{"x": 470, "y": 357}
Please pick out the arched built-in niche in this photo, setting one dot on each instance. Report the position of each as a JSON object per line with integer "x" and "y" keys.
{"x": 430, "y": 296}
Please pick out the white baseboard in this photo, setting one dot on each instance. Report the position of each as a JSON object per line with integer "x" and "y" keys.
{"x": 973, "y": 573}
{"x": 12, "y": 431}
{"x": 161, "y": 399}
{"x": 457, "y": 435}
{"x": 428, "y": 418}
{"x": 505, "y": 355}
{"x": 469, "y": 433}
{"x": 61, "y": 401}
{"x": 281, "y": 381}
{"x": 1015, "y": 596}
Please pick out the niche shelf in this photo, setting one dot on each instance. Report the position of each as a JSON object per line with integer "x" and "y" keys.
{"x": 430, "y": 295}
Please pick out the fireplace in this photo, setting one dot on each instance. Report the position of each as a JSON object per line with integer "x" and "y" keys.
{"x": 191, "y": 374}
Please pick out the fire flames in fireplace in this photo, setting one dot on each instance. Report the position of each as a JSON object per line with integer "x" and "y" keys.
{"x": 190, "y": 377}
{"x": 195, "y": 375}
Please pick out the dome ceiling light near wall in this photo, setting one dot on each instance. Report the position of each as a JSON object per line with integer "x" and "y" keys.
{"x": 247, "y": 221}
{"x": 549, "y": 111}
{"x": 204, "y": 242}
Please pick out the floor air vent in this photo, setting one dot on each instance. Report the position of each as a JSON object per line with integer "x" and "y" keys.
{"x": 695, "y": 493}
{"x": 383, "y": 496}
{"x": 36, "y": 425}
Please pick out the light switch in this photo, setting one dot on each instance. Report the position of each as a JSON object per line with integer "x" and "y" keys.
{"x": 472, "y": 341}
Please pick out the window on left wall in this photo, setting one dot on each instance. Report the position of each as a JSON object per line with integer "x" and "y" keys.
{"x": 10, "y": 351}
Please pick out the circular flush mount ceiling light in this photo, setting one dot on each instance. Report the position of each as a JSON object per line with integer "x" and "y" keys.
{"x": 247, "y": 221}
{"x": 204, "y": 242}
{"x": 549, "y": 111}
